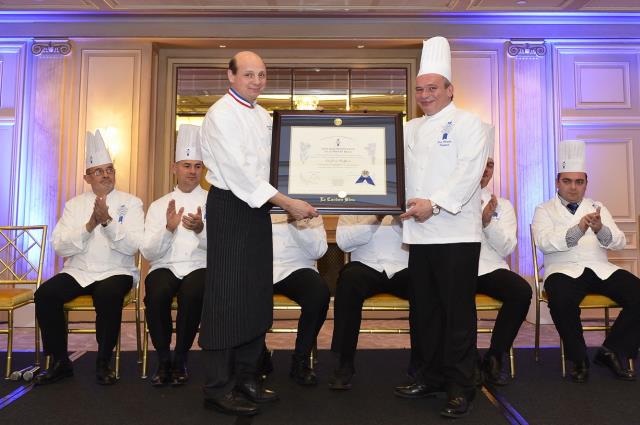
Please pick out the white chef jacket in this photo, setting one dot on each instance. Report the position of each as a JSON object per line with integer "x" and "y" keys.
{"x": 551, "y": 221}
{"x": 183, "y": 250}
{"x": 236, "y": 149}
{"x": 107, "y": 251}
{"x": 499, "y": 237}
{"x": 296, "y": 245}
{"x": 445, "y": 156}
{"x": 375, "y": 244}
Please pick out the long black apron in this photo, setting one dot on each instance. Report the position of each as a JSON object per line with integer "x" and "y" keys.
{"x": 238, "y": 297}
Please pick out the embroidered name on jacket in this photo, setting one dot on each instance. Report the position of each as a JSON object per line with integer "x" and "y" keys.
{"x": 446, "y": 131}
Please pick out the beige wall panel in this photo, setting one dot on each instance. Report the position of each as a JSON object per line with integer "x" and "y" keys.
{"x": 632, "y": 240}
{"x": 628, "y": 264}
{"x": 48, "y": 5}
{"x": 611, "y": 5}
{"x": 590, "y": 91}
{"x": 493, "y": 5}
{"x": 12, "y": 58}
{"x": 598, "y": 82}
{"x": 109, "y": 99}
{"x": 475, "y": 80}
{"x": 611, "y": 168}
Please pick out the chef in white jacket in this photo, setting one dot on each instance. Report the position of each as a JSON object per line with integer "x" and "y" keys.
{"x": 499, "y": 239}
{"x": 99, "y": 233}
{"x": 575, "y": 233}
{"x": 175, "y": 243}
{"x": 378, "y": 265}
{"x": 445, "y": 155}
{"x": 297, "y": 245}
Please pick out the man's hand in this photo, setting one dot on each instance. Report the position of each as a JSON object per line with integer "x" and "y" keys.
{"x": 173, "y": 217}
{"x": 92, "y": 223}
{"x": 488, "y": 210}
{"x": 193, "y": 221}
{"x": 101, "y": 210}
{"x": 299, "y": 209}
{"x": 420, "y": 209}
{"x": 594, "y": 221}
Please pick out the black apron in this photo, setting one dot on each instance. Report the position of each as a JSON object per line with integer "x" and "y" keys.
{"x": 238, "y": 297}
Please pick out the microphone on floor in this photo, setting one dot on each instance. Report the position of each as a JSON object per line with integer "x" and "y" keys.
{"x": 16, "y": 375}
{"x": 29, "y": 374}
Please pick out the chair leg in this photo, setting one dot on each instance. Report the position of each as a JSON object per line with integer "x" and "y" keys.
{"x": 37, "y": 344}
{"x": 536, "y": 349}
{"x": 118, "y": 357}
{"x": 512, "y": 363}
{"x": 7, "y": 371}
{"x": 313, "y": 356}
{"x": 138, "y": 342}
{"x": 563, "y": 360}
{"x": 145, "y": 345}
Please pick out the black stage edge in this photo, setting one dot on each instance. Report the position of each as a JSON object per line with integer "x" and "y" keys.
{"x": 539, "y": 395}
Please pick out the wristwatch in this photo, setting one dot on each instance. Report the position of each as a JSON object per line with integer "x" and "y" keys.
{"x": 106, "y": 223}
{"x": 435, "y": 209}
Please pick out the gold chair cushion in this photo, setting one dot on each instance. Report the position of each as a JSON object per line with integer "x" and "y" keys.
{"x": 486, "y": 302}
{"x": 84, "y": 302}
{"x": 591, "y": 301}
{"x": 386, "y": 301}
{"x": 280, "y": 300}
{"x": 10, "y": 297}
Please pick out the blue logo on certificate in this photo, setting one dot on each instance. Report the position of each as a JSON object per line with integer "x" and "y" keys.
{"x": 365, "y": 177}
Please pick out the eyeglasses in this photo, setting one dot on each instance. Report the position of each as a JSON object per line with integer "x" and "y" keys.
{"x": 100, "y": 171}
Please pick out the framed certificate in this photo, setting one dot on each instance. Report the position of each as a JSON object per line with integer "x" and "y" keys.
{"x": 341, "y": 163}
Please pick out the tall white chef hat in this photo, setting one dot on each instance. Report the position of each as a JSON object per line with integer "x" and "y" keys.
{"x": 436, "y": 57}
{"x": 95, "y": 151}
{"x": 490, "y": 134}
{"x": 188, "y": 144}
{"x": 571, "y": 156}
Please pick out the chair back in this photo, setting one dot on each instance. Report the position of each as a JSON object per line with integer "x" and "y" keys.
{"x": 22, "y": 254}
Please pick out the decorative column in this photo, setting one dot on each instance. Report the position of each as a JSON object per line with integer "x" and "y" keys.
{"x": 40, "y": 178}
{"x": 529, "y": 153}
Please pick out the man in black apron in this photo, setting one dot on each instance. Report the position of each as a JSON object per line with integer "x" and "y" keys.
{"x": 238, "y": 300}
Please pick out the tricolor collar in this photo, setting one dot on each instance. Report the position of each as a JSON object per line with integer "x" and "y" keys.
{"x": 234, "y": 94}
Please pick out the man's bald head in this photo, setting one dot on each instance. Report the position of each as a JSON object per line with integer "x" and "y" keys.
{"x": 247, "y": 74}
{"x": 242, "y": 56}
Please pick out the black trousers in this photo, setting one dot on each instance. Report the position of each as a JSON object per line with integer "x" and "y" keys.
{"x": 161, "y": 285}
{"x": 566, "y": 293}
{"x": 310, "y": 291}
{"x": 108, "y": 296}
{"x": 357, "y": 282}
{"x": 226, "y": 368}
{"x": 515, "y": 294}
{"x": 443, "y": 313}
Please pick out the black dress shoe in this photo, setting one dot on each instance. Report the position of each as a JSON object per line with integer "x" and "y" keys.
{"x": 57, "y": 370}
{"x": 418, "y": 390}
{"x": 492, "y": 371}
{"x": 580, "y": 372}
{"x": 104, "y": 374}
{"x": 179, "y": 374}
{"x": 301, "y": 372}
{"x": 608, "y": 358}
{"x": 232, "y": 404}
{"x": 162, "y": 375}
{"x": 457, "y": 407}
{"x": 341, "y": 379}
{"x": 255, "y": 392}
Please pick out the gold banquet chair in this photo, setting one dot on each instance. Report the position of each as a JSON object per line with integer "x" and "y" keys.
{"x": 590, "y": 302}
{"x": 84, "y": 303}
{"x": 391, "y": 303}
{"x": 21, "y": 258}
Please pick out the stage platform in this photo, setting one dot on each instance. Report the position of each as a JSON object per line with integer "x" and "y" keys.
{"x": 538, "y": 395}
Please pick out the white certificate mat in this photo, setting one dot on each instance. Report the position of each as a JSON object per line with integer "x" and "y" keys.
{"x": 337, "y": 160}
